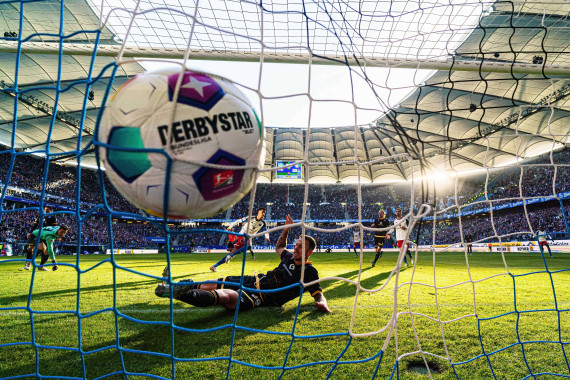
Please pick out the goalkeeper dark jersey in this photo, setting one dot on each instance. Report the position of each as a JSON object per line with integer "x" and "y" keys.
{"x": 49, "y": 221}
{"x": 288, "y": 273}
{"x": 380, "y": 223}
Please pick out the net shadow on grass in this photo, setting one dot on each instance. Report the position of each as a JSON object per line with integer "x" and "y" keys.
{"x": 38, "y": 296}
{"x": 343, "y": 290}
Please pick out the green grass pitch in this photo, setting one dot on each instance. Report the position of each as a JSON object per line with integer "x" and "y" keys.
{"x": 533, "y": 319}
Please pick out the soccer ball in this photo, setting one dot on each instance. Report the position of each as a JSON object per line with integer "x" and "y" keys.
{"x": 153, "y": 142}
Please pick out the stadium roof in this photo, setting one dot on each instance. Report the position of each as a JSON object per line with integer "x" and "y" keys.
{"x": 457, "y": 120}
{"x": 37, "y": 75}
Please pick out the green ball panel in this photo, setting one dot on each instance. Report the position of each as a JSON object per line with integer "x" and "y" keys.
{"x": 129, "y": 165}
{"x": 259, "y": 126}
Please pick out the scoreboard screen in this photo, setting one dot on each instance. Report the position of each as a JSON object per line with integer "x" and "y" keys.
{"x": 292, "y": 172}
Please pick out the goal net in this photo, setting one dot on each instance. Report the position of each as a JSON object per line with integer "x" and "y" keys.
{"x": 454, "y": 112}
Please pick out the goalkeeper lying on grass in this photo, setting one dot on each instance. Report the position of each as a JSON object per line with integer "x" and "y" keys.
{"x": 287, "y": 273}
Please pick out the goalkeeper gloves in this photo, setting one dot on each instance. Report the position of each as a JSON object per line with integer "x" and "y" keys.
{"x": 54, "y": 268}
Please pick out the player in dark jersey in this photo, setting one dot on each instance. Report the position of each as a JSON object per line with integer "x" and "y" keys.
{"x": 468, "y": 240}
{"x": 49, "y": 221}
{"x": 379, "y": 236}
{"x": 287, "y": 273}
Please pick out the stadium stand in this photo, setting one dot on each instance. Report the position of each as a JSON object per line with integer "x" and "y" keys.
{"x": 331, "y": 205}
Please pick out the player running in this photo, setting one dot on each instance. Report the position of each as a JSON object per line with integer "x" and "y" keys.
{"x": 356, "y": 241}
{"x": 401, "y": 234}
{"x": 256, "y": 224}
{"x": 286, "y": 274}
{"x": 379, "y": 236}
{"x": 47, "y": 237}
{"x": 232, "y": 239}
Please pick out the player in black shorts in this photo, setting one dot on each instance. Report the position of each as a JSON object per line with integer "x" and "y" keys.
{"x": 226, "y": 294}
{"x": 379, "y": 236}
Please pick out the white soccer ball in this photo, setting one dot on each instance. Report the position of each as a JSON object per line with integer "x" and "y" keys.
{"x": 212, "y": 121}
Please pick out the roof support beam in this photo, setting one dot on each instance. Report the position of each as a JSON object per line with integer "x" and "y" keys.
{"x": 437, "y": 147}
{"x": 396, "y": 162}
{"x": 476, "y": 65}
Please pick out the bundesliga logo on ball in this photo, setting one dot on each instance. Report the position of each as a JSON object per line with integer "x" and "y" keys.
{"x": 210, "y": 120}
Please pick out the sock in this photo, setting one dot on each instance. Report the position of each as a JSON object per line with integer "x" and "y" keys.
{"x": 44, "y": 259}
{"x": 29, "y": 255}
{"x": 222, "y": 261}
{"x": 199, "y": 297}
{"x": 241, "y": 250}
{"x": 377, "y": 257}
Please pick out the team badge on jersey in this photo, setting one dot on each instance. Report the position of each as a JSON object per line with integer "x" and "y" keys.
{"x": 197, "y": 90}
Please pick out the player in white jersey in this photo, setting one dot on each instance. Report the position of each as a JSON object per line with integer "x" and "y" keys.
{"x": 356, "y": 241}
{"x": 401, "y": 231}
{"x": 256, "y": 224}
{"x": 542, "y": 242}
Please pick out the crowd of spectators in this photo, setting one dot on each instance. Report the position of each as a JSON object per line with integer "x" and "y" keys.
{"x": 187, "y": 236}
{"x": 511, "y": 224}
{"x": 61, "y": 184}
{"x": 16, "y": 225}
{"x": 538, "y": 178}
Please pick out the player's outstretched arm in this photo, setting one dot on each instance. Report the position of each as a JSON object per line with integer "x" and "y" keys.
{"x": 49, "y": 244}
{"x": 235, "y": 222}
{"x": 282, "y": 242}
{"x": 321, "y": 303}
